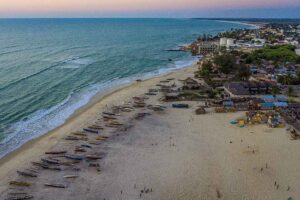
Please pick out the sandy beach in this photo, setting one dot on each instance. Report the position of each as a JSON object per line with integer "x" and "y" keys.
{"x": 169, "y": 155}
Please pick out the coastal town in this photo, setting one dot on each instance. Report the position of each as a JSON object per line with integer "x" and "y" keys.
{"x": 250, "y": 70}
{"x": 225, "y": 128}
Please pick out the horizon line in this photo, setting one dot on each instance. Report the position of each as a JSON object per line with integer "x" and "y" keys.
{"x": 206, "y": 18}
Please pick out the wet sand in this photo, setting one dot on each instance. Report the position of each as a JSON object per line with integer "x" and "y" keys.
{"x": 173, "y": 154}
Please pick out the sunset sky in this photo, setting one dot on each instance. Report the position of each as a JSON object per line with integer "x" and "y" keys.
{"x": 150, "y": 8}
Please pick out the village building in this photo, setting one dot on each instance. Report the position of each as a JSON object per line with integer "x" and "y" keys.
{"x": 248, "y": 88}
{"x": 191, "y": 84}
{"x": 207, "y": 47}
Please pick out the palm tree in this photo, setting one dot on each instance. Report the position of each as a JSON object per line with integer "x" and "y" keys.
{"x": 275, "y": 90}
{"x": 287, "y": 79}
{"x": 290, "y": 91}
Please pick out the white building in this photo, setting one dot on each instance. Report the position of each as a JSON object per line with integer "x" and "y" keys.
{"x": 223, "y": 42}
{"x": 226, "y": 42}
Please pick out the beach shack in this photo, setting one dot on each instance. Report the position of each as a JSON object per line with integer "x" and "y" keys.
{"x": 228, "y": 105}
{"x": 242, "y": 106}
{"x": 254, "y": 104}
{"x": 281, "y": 98}
{"x": 190, "y": 84}
{"x": 267, "y": 106}
{"x": 280, "y": 104}
{"x": 268, "y": 98}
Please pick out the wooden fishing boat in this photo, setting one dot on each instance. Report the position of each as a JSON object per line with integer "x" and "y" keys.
{"x": 108, "y": 113}
{"x": 127, "y": 109}
{"x": 19, "y": 197}
{"x": 79, "y": 134}
{"x": 180, "y": 105}
{"x": 91, "y": 130}
{"x": 94, "y": 165}
{"x": 86, "y": 146}
{"x": 96, "y": 127}
{"x": 20, "y": 183}
{"x": 28, "y": 174}
{"x": 46, "y": 166}
{"x": 100, "y": 138}
{"x": 93, "y": 157}
{"x": 55, "y": 152}
{"x": 74, "y": 138}
{"x": 55, "y": 185}
{"x": 139, "y": 105}
{"x": 73, "y": 157}
{"x": 151, "y": 93}
{"x": 70, "y": 163}
{"x": 116, "y": 123}
{"x": 108, "y": 117}
{"x": 50, "y": 161}
{"x": 79, "y": 149}
{"x": 71, "y": 176}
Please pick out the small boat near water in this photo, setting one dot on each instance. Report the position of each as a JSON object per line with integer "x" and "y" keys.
{"x": 73, "y": 157}
{"x": 180, "y": 105}
{"x": 28, "y": 174}
{"x": 90, "y": 130}
{"x": 55, "y": 152}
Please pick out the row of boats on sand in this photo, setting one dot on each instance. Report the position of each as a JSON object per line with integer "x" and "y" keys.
{"x": 86, "y": 145}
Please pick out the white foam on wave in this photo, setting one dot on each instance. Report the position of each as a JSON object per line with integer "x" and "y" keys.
{"x": 75, "y": 63}
{"x": 46, "y": 120}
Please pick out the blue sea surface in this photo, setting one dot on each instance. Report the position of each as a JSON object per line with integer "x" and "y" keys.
{"x": 51, "y": 67}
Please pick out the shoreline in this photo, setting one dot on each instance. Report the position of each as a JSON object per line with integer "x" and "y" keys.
{"x": 106, "y": 92}
{"x": 255, "y": 26}
{"x": 75, "y": 122}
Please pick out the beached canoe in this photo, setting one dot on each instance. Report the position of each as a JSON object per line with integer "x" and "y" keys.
{"x": 55, "y": 152}
{"x": 55, "y": 185}
{"x": 21, "y": 197}
{"x": 50, "y": 161}
{"x": 180, "y": 105}
{"x": 46, "y": 166}
{"x": 79, "y": 134}
{"x": 86, "y": 146}
{"x": 29, "y": 174}
{"x": 72, "y": 138}
{"x": 73, "y": 157}
{"x": 20, "y": 183}
{"x": 93, "y": 157}
{"x": 91, "y": 130}
{"x": 71, "y": 176}
{"x": 108, "y": 113}
{"x": 80, "y": 149}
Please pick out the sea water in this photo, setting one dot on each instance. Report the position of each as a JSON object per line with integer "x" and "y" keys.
{"x": 49, "y": 68}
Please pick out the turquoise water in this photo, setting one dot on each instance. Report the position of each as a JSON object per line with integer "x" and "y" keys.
{"x": 51, "y": 67}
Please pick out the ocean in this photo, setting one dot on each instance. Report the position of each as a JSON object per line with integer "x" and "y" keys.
{"x": 49, "y": 68}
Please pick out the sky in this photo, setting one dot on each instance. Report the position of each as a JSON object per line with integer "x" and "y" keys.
{"x": 150, "y": 8}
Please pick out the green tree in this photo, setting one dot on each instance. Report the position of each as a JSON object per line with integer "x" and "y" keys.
{"x": 226, "y": 62}
{"x": 243, "y": 72}
{"x": 275, "y": 90}
{"x": 206, "y": 68}
{"x": 287, "y": 79}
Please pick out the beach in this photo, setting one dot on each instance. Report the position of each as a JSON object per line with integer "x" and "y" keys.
{"x": 172, "y": 154}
